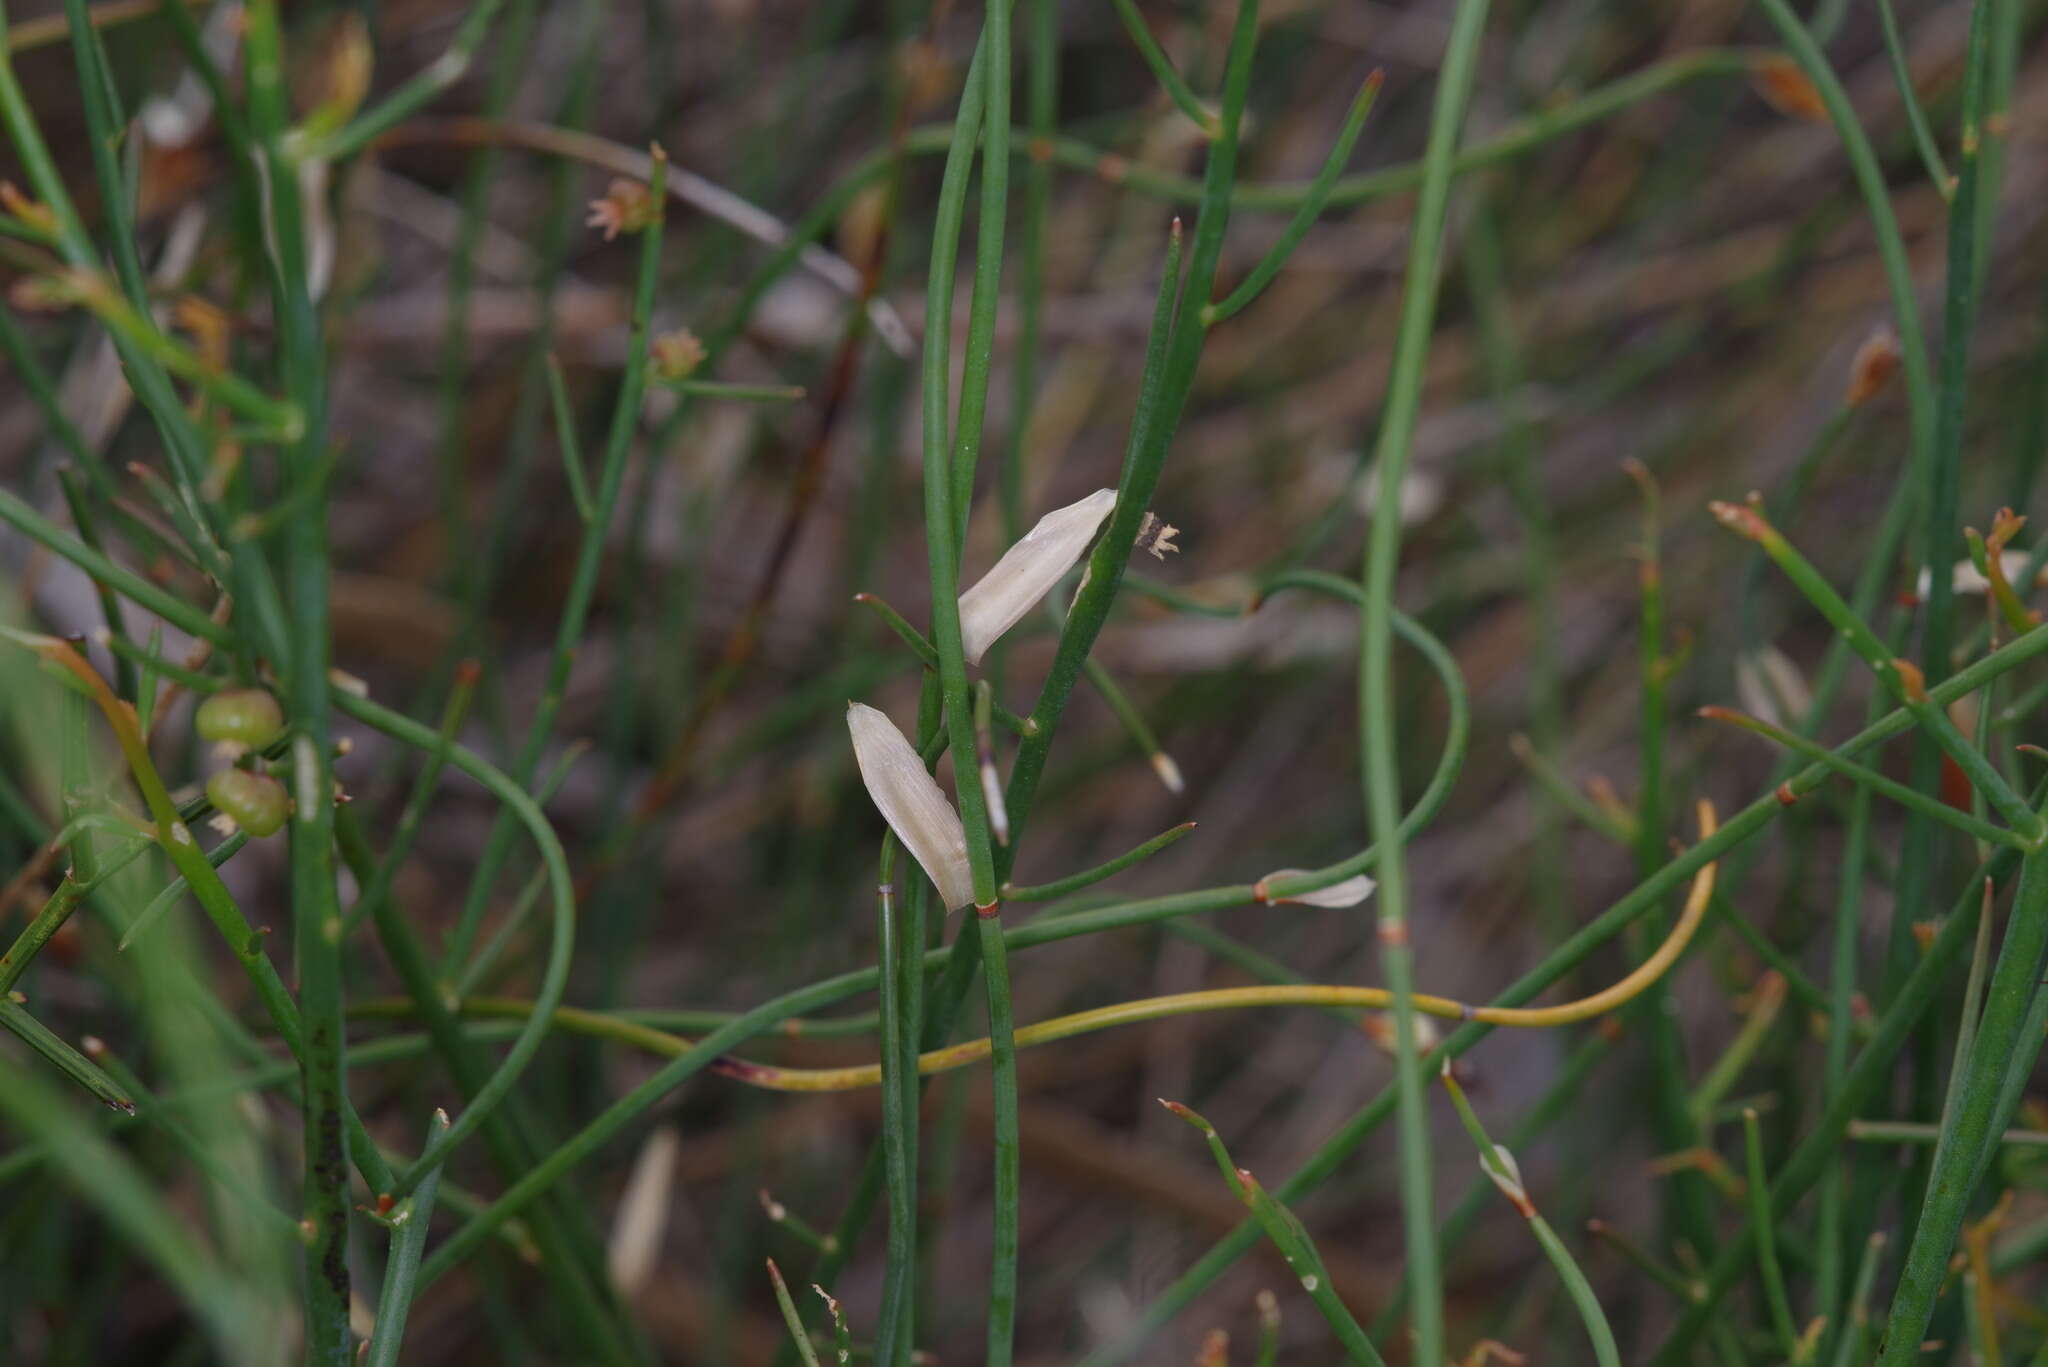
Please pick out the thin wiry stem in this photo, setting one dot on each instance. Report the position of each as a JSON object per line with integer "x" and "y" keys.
{"x": 1377, "y": 723}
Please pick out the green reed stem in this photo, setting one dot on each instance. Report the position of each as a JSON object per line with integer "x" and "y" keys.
{"x": 415, "y": 93}
{"x": 1909, "y": 97}
{"x": 1758, "y": 1190}
{"x": 105, "y": 1176}
{"x": 983, "y": 302}
{"x": 1556, "y": 1099}
{"x": 1378, "y": 733}
{"x": 1818, "y": 1152}
{"x": 901, "y": 974}
{"x": 1942, "y": 531}
{"x": 1931, "y": 807}
{"x": 1970, "y": 1130}
{"x": 584, "y": 579}
{"x": 1074, "y": 882}
{"x": 1291, "y": 1237}
{"x": 1904, "y": 684}
{"x": 412, "y": 818}
{"x": 1162, "y": 68}
{"x": 1872, "y": 1064}
{"x": 401, "y": 1269}
{"x": 1499, "y": 1165}
{"x": 60, "y": 1055}
{"x": 948, "y": 488}
{"x": 1311, "y": 209}
{"x": 316, "y": 912}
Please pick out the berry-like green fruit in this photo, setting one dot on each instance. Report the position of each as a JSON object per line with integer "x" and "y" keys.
{"x": 256, "y": 802}
{"x": 248, "y": 717}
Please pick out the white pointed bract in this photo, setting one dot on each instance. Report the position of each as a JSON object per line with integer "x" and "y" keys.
{"x": 1028, "y": 570}
{"x": 1507, "y": 1175}
{"x": 912, "y": 802}
{"x": 1348, "y": 893}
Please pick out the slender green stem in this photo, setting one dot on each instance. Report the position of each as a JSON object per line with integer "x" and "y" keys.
{"x": 565, "y": 440}
{"x": 1378, "y": 729}
{"x": 60, "y": 1055}
{"x": 948, "y": 486}
{"x": 1311, "y": 209}
{"x": 1909, "y": 97}
{"x": 413, "y": 817}
{"x": 1902, "y": 679}
{"x": 1074, "y": 882}
{"x": 584, "y": 579}
{"x": 1291, "y": 1237}
{"x": 1863, "y": 775}
{"x": 1500, "y": 1167}
{"x": 1817, "y": 1152}
{"x": 105, "y": 1176}
{"x": 401, "y": 1269}
{"x": 1970, "y": 1129}
{"x": 415, "y": 93}
{"x": 790, "y": 1317}
{"x": 48, "y": 920}
{"x": 1942, "y": 532}
{"x": 1758, "y": 1190}
{"x": 316, "y": 912}
{"x": 901, "y": 971}
{"x": 1162, "y": 68}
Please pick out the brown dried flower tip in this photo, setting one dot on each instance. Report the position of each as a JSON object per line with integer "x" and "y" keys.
{"x": 36, "y": 215}
{"x": 1739, "y": 518}
{"x": 627, "y": 207}
{"x": 1877, "y": 361}
{"x": 209, "y": 326}
{"x": 1787, "y": 89}
{"x": 1156, "y": 535}
{"x": 926, "y": 74}
{"x": 42, "y": 294}
{"x": 1912, "y": 683}
{"x": 677, "y": 354}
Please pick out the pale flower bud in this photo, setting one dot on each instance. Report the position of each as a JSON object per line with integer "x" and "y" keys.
{"x": 1507, "y": 1175}
{"x": 912, "y": 802}
{"x": 1028, "y": 570}
{"x": 1771, "y": 687}
{"x": 1348, "y": 893}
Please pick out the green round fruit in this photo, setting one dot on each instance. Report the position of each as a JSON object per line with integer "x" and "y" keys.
{"x": 241, "y": 716}
{"x": 256, "y": 802}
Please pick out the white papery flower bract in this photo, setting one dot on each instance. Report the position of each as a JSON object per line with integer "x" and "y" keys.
{"x": 1348, "y": 893}
{"x": 912, "y": 802}
{"x": 1028, "y": 570}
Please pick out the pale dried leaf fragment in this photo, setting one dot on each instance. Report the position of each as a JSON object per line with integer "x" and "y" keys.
{"x": 1965, "y": 579}
{"x": 1028, "y": 570}
{"x": 1770, "y": 686}
{"x": 1876, "y": 361}
{"x": 642, "y": 1216}
{"x": 1348, "y": 893}
{"x": 1788, "y": 89}
{"x": 912, "y": 802}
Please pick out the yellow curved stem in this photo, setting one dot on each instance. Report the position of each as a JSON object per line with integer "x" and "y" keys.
{"x": 1127, "y": 1013}
{"x": 1224, "y": 999}
{"x": 1156, "y": 1008}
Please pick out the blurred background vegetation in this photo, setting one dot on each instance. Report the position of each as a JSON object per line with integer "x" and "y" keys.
{"x": 1684, "y": 282}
